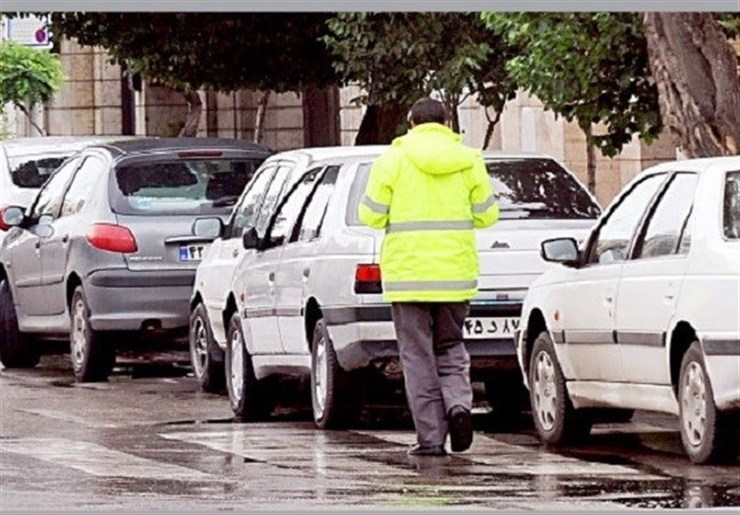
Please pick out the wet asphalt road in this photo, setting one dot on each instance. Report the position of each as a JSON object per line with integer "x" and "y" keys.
{"x": 148, "y": 440}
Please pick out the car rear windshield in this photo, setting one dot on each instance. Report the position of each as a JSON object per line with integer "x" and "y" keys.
{"x": 32, "y": 171}
{"x": 538, "y": 188}
{"x": 182, "y": 186}
{"x": 731, "y": 206}
{"x": 526, "y": 188}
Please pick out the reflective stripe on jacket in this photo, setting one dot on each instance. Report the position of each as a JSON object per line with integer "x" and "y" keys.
{"x": 429, "y": 192}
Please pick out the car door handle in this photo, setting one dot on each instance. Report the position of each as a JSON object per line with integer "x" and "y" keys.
{"x": 37, "y": 245}
{"x": 306, "y": 272}
{"x": 271, "y": 277}
{"x": 235, "y": 253}
{"x": 65, "y": 238}
{"x": 609, "y": 299}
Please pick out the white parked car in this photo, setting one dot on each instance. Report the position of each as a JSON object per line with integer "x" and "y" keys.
{"x": 26, "y": 164}
{"x": 647, "y": 315}
{"x": 293, "y": 283}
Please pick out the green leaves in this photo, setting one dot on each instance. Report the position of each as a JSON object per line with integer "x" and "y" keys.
{"x": 400, "y": 57}
{"x": 218, "y": 51}
{"x": 588, "y": 67}
{"x": 27, "y": 76}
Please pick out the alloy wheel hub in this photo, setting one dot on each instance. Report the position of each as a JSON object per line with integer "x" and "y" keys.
{"x": 237, "y": 366}
{"x": 694, "y": 404}
{"x": 545, "y": 393}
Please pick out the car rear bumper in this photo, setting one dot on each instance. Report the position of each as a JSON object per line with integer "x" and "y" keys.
{"x": 122, "y": 300}
{"x": 362, "y": 334}
{"x": 724, "y": 373}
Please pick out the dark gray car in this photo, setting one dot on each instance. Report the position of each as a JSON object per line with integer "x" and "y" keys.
{"x": 107, "y": 247}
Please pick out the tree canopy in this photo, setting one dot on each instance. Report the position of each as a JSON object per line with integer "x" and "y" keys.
{"x": 589, "y": 67}
{"x": 397, "y": 58}
{"x": 217, "y": 51}
{"x": 28, "y": 76}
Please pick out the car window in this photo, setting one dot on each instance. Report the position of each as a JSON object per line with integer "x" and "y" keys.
{"x": 288, "y": 213}
{"x": 83, "y": 185}
{"x": 310, "y": 222}
{"x": 615, "y": 234}
{"x": 684, "y": 242}
{"x": 359, "y": 185}
{"x": 539, "y": 188}
{"x": 731, "y": 206}
{"x": 49, "y": 199}
{"x": 526, "y": 188}
{"x": 245, "y": 212}
{"x": 33, "y": 171}
{"x": 275, "y": 193}
{"x": 661, "y": 237}
{"x": 181, "y": 186}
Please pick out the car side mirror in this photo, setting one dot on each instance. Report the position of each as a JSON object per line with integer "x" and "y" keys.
{"x": 250, "y": 239}
{"x": 211, "y": 227}
{"x": 561, "y": 250}
{"x": 11, "y": 216}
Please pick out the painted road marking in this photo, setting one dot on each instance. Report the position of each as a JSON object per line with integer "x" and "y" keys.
{"x": 98, "y": 460}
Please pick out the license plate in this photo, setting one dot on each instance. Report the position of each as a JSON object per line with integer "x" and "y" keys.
{"x": 192, "y": 252}
{"x": 477, "y": 328}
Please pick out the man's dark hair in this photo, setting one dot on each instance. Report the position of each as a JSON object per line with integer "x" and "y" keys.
{"x": 428, "y": 110}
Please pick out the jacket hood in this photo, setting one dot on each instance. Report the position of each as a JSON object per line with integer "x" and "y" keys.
{"x": 435, "y": 149}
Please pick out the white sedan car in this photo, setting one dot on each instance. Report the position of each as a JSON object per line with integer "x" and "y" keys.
{"x": 646, "y": 316}
{"x": 293, "y": 283}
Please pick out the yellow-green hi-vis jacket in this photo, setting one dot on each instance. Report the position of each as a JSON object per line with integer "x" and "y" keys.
{"x": 429, "y": 191}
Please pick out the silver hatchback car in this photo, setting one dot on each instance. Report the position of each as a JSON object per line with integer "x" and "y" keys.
{"x": 107, "y": 249}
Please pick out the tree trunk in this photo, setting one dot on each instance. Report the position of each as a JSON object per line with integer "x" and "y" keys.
{"x": 25, "y": 111}
{"x": 259, "y": 121}
{"x": 590, "y": 160}
{"x": 380, "y": 124}
{"x": 190, "y": 129}
{"x": 695, "y": 69}
{"x": 491, "y": 126}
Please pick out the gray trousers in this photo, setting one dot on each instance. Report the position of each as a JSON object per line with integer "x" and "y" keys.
{"x": 436, "y": 366}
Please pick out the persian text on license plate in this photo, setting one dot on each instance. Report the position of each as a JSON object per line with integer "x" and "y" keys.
{"x": 192, "y": 252}
{"x": 496, "y": 327}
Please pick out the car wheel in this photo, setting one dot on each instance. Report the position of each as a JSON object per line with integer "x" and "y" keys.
{"x": 206, "y": 357}
{"x": 506, "y": 394}
{"x": 556, "y": 420}
{"x": 92, "y": 356}
{"x": 16, "y": 349}
{"x": 247, "y": 401}
{"x": 706, "y": 433}
{"x": 333, "y": 397}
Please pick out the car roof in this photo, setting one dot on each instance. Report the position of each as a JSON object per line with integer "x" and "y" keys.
{"x": 144, "y": 146}
{"x": 699, "y": 165}
{"x": 323, "y": 153}
{"x": 54, "y": 144}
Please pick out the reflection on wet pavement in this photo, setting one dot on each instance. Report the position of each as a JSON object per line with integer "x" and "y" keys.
{"x": 155, "y": 443}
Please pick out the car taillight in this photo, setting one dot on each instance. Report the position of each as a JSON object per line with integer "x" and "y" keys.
{"x": 367, "y": 279}
{"x": 113, "y": 238}
{"x": 3, "y": 225}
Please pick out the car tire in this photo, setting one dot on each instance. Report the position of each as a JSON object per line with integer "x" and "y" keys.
{"x": 334, "y": 398}
{"x": 555, "y": 419}
{"x": 17, "y": 350}
{"x": 707, "y": 434}
{"x": 93, "y": 355}
{"x": 206, "y": 358}
{"x": 506, "y": 394}
{"x": 245, "y": 393}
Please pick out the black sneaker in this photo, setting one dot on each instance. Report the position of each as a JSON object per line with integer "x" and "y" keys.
{"x": 426, "y": 450}
{"x": 461, "y": 429}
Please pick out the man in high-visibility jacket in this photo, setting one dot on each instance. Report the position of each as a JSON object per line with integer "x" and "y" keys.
{"x": 429, "y": 192}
